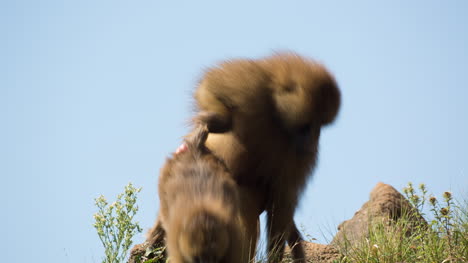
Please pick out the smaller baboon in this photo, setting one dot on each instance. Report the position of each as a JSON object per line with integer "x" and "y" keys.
{"x": 199, "y": 206}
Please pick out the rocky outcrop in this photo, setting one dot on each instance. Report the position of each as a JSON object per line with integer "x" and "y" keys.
{"x": 386, "y": 205}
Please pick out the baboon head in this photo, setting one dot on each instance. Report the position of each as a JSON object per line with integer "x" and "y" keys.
{"x": 205, "y": 237}
{"x": 305, "y": 97}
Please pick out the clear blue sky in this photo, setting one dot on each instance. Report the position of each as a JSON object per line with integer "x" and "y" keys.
{"x": 95, "y": 94}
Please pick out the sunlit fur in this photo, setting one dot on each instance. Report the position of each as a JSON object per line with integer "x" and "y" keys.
{"x": 272, "y": 110}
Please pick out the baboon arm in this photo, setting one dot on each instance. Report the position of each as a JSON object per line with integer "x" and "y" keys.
{"x": 155, "y": 236}
{"x": 294, "y": 242}
{"x": 250, "y": 223}
{"x": 216, "y": 123}
{"x": 279, "y": 221}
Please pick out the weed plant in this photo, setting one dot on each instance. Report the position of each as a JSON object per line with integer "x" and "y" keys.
{"x": 114, "y": 224}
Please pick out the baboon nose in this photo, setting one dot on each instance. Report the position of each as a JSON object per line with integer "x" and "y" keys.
{"x": 304, "y": 138}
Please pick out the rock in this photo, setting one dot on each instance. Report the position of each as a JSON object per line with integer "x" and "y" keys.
{"x": 385, "y": 205}
{"x": 144, "y": 251}
{"x": 317, "y": 253}
{"x": 137, "y": 253}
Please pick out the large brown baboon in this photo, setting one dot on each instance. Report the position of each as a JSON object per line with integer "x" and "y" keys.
{"x": 265, "y": 118}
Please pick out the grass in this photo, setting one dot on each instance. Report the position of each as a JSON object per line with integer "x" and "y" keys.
{"x": 443, "y": 239}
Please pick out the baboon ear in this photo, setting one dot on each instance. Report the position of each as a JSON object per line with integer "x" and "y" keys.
{"x": 216, "y": 123}
{"x": 329, "y": 103}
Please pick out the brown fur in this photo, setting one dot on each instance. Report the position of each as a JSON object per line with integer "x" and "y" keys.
{"x": 199, "y": 207}
{"x": 271, "y": 112}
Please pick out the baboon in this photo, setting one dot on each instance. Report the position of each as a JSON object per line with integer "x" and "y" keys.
{"x": 264, "y": 118}
{"x": 199, "y": 206}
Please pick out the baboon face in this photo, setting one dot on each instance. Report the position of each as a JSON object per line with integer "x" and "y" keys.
{"x": 204, "y": 239}
{"x": 304, "y": 95}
